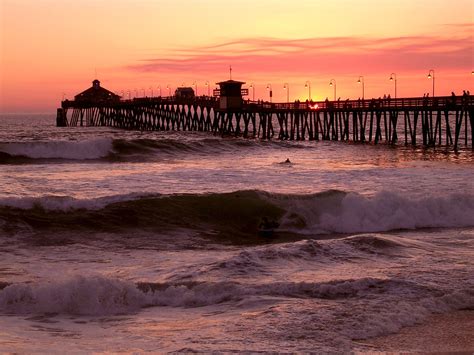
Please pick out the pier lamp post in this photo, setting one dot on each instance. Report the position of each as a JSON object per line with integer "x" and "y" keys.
{"x": 361, "y": 81}
{"x": 431, "y": 75}
{"x": 270, "y": 92}
{"x": 196, "y": 88}
{"x": 129, "y": 94}
{"x": 307, "y": 84}
{"x": 393, "y": 77}
{"x": 208, "y": 88}
{"x": 151, "y": 91}
{"x": 136, "y": 92}
{"x": 332, "y": 82}
{"x": 144, "y": 92}
{"x": 169, "y": 90}
{"x": 286, "y": 86}
{"x": 252, "y": 86}
{"x": 159, "y": 88}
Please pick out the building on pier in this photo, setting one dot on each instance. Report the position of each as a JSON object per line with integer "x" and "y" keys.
{"x": 96, "y": 93}
{"x": 184, "y": 93}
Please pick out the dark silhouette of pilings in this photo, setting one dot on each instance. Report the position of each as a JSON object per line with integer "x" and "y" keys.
{"x": 439, "y": 121}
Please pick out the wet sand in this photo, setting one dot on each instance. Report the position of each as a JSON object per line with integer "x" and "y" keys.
{"x": 443, "y": 333}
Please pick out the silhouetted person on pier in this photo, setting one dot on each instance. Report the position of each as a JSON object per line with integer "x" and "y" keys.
{"x": 326, "y": 102}
{"x": 425, "y": 99}
{"x": 453, "y": 98}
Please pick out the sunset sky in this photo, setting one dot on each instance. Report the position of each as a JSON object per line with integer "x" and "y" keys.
{"x": 51, "y": 48}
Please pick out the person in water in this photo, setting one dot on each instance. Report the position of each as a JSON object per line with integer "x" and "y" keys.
{"x": 267, "y": 224}
{"x": 264, "y": 224}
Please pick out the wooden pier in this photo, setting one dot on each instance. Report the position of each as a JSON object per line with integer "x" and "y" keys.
{"x": 434, "y": 121}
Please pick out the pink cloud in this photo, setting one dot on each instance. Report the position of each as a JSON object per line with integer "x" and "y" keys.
{"x": 338, "y": 55}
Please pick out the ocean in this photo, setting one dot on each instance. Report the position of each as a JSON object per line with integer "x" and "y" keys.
{"x": 114, "y": 240}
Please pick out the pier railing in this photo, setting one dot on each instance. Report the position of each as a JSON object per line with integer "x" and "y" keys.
{"x": 441, "y": 102}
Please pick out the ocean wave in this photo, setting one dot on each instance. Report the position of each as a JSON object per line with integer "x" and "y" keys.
{"x": 233, "y": 214}
{"x": 146, "y": 149}
{"x": 239, "y": 213}
{"x": 67, "y": 150}
{"x": 347, "y": 213}
{"x": 324, "y": 251}
{"x": 52, "y": 203}
{"x": 100, "y": 295}
{"x": 77, "y": 295}
{"x": 121, "y": 149}
{"x": 107, "y": 149}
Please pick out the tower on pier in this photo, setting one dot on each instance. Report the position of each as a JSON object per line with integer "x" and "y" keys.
{"x": 230, "y": 94}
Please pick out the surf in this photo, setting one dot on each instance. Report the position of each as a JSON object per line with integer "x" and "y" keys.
{"x": 239, "y": 214}
{"x": 55, "y": 150}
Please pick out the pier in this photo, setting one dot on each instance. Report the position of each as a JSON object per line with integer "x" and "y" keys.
{"x": 428, "y": 121}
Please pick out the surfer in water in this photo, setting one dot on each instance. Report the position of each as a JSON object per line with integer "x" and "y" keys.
{"x": 267, "y": 227}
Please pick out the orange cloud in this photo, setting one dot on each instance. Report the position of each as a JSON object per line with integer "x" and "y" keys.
{"x": 342, "y": 55}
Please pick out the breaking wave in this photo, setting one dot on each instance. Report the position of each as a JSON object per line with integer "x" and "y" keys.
{"x": 67, "y": 150}
{"x": 341, "y": 212}
{"x": 240, "y": 212}
{"x": 100, "y": 295}
{"x": 142, "y": 149}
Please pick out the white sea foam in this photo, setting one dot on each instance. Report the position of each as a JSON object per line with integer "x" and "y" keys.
{"x": 75, "y": 150}
{"x": 385, "y": 211}
{"x": 66, "y": 203}
{"x": 99, "y": 295}
{"x": 393, "y": 314}
{"x": 77, "y": 295}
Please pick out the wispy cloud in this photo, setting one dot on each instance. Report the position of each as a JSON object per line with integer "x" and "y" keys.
{"x": 338, "y": 55}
